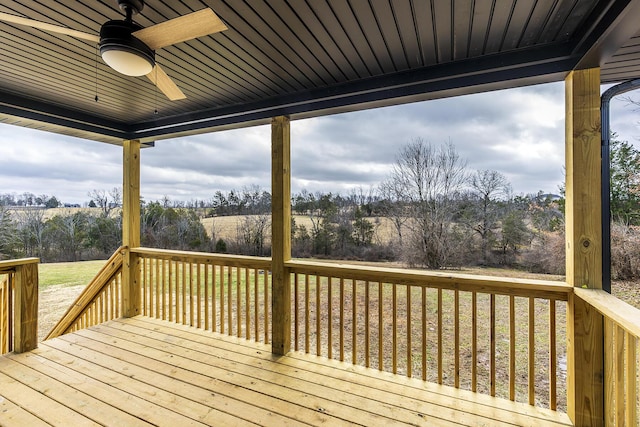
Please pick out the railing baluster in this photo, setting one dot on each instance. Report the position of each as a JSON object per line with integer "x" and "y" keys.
{"x": 255, "y": 302}
{"x": 207, "y": 303}
{"x": 630, "y": 386}
{"x": 214, "y": 298}
{"x": 492, "y": 309}
{"x": 118, "y": 291}
{"x": 222, "y": 296}
{"x": 101, "y": 312}
{"x": 474, "y": 341}
{"x": 145, "y": 286}
{"x": 156, "y": 284}
{"x": 296, "y": 312}
{"x": 186, "y": 294}
{"x": 170, "y": 290}
{"x": 366, "y": 324}
{"x": 318, "y": 317}
{"x": 409, "y": 349}
{"x": 439, "y": 336}
{"x": 609, "y": 372}
{"x": 149, "y": 276}
{"x": 456, "y": 339}
{"x": 354, "y": 322}
{"x": 619, "y": 376}
{"x": 532, "y": 352}
{"x": 306, "y": 315}
{"x": 230, "y": 299}
{"x": 342, "y": 319}
{"x": 380, "y": 326}
{"x": 164, "y": 289}
{"x": 329, "y": 317}
{"x": 247, "y": 303}
{"x": 394, "y": 339}
{"x": 424, "y": 333}
{"x": 267, "y": 303}
{"x": 239, "y": 302}
{"x": 552, "y": 356}
{"x": 112, "y": 299}
{"x": 198, "y": 295}
{"x": 512, "y": 348}
{"x": 189, "y": 274}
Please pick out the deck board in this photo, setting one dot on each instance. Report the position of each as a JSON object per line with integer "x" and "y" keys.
{"x": 140, "y": 370}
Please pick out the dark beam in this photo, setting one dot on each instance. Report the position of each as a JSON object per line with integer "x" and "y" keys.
{"x": 614, "y": 24}
{"x": 542, "y": 64}
{"x": 16, "y": 106}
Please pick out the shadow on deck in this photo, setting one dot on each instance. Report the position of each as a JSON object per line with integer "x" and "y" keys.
{"x": 142, "y": 371}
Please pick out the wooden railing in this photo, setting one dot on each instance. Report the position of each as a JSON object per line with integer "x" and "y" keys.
{"x": 622, "y": 362}
{"x": 504, "y": 337}
{"x": 99, "y": 301}
{"x": 499, "y": 336}
{"x": 6, "y": 309}
{"x": 221, "y": 293}
{"x": 18, "y": 305}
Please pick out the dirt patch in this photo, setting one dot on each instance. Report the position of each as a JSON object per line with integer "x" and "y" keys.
{"x": 54, "y": 301}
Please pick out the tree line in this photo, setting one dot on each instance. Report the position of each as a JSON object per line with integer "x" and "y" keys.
{"x": 430, "y": 211}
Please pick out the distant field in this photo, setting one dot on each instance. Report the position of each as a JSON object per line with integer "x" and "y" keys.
{"x": 225, "y": 227}
{"x": 50, "y": 213}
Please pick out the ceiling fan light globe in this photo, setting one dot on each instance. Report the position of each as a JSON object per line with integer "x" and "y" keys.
{"x": 127, "y": 63}
{"x": 124, "y": 52}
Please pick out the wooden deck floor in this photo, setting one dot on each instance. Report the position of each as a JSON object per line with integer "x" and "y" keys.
{"x": 142, "y": 371}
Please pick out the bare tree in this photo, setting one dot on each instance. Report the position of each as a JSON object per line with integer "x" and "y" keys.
{"x": 252, "y": 232}
{"x": 488, "y": 188}
{"x": 101, "y": 199}
{"x": 116, "y": 197}
{"x": 31, "y": 229}
{"x": 106, "y": 201}
{"x": 393, "y": 205}
{"x": 427, "y": 180}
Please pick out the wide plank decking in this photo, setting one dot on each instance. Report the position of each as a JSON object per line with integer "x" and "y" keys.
{"x": 141, "y": 371}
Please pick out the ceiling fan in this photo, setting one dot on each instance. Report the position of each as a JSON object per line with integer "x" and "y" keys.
{"x": 129, "y": 48}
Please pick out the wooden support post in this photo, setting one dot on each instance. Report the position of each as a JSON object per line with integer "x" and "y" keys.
{"x": 131, "y": 228}
{"x": 585, "y": 351}
{"x": 25, "y": 320}
{"x": 280, "y": 235}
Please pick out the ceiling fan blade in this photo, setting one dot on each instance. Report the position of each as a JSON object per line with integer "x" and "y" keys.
{"x": 48, "y": 27}
{"x": 183, "y": 28}
{"x": 167, "y": 86}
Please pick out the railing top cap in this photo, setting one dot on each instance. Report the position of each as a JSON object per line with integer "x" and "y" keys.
{"x": 11, "y": 263}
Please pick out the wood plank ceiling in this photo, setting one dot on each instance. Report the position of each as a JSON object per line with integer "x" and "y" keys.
{"x": 300, "y": 57}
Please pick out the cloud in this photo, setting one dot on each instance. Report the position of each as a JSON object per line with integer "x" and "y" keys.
{"x": 518, "y": 132}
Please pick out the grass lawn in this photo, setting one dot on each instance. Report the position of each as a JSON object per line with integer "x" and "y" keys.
{"x": 68, "y": 273}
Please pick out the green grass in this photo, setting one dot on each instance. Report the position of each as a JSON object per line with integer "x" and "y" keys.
{"x": 68, "y": 273}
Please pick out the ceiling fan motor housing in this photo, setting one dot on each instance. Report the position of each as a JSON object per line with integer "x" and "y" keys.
{"x": 116, "y": 39}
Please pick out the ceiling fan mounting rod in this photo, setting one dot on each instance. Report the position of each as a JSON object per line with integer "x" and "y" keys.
{"x": 130, "y": 8}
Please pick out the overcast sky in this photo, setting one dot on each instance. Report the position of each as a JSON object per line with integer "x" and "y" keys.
{"x": 518, "y": 132}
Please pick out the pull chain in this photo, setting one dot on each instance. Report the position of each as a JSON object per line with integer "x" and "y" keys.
{"x": 156, "y": 90}
{"x": 96, "y": 62}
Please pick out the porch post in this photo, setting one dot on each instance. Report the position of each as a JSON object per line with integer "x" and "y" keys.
{"x": 280, "y": 235}
{"x": 25, "y": 309}
{"x": 131, "y": 227}
{"x": 585, "y": 359}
